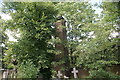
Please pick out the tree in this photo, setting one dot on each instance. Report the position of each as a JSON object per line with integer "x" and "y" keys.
{"x": 33, "y": 20}
{"x": 89, "y": 41}
{"x": 77, "y": 16}
{"x": 101, "y": 52}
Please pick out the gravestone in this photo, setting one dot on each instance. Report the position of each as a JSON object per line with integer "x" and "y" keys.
{"x": 59, "y": 74}
{"x": 75, "y": 72}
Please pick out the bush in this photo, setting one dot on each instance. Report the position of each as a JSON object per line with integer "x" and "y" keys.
{"x": 102, "y": 74}
{"x": 27, "y": 70}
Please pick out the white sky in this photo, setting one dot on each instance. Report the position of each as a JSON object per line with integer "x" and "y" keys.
{"x": 11, "y": 38}
{"x": 97, "y": 9}
{"x": 5, "y": 16}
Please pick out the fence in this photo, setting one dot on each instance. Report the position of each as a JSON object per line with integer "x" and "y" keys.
{"x": 8, "y": 73}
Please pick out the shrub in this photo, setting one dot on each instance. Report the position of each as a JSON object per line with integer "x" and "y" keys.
{"x": 102, "y": 74}
{"x": 27, "y": 70}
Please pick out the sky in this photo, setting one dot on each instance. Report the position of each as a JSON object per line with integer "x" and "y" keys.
{"x": 0, "y": 2}
{"x": 7, "y": 16}
{"x": 0, "y": 5}
{"x": 97, "y": 9}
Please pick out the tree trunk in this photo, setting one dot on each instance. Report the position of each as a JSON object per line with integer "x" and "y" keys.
{"x": 61, "y": 34}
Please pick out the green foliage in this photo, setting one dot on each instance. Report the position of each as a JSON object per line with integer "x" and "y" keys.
{"x": 78, "y": 16}
{"x": 27, "y": 70}
{"x": 33, "y": 22}
{"x": 100, "y": 51}
{"x": 113, "y": 10}
{"x": 101, "y": 74}
{"x": 89, "y": 42}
